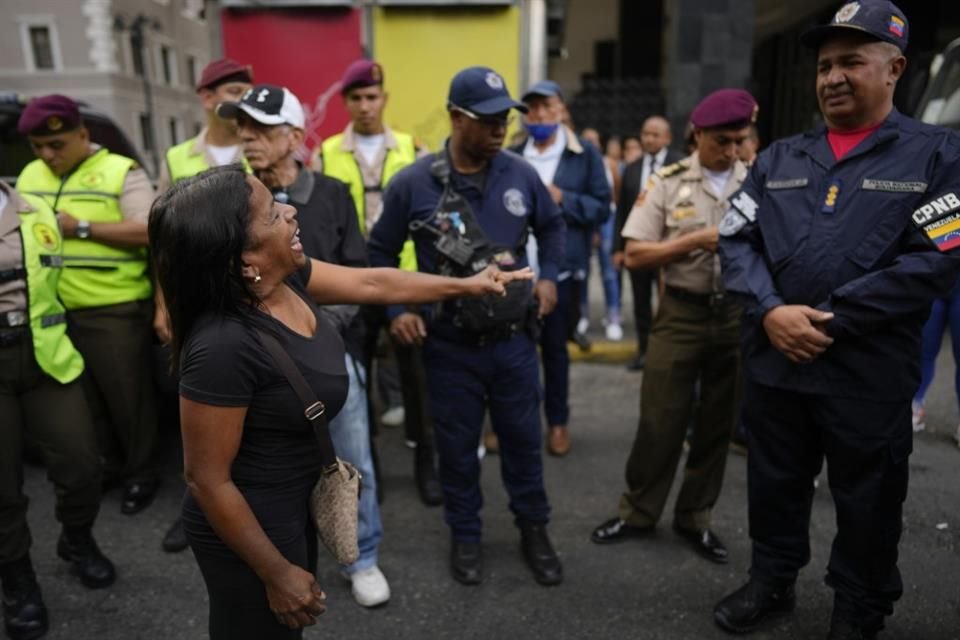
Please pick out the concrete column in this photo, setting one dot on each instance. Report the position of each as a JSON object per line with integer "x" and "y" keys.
{"x": 709, "y": 46}
{"x": 534, "y": 44}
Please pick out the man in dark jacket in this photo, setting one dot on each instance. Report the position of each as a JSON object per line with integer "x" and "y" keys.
{"x": 271, "y": 123}
{"x": 655, "y": 137}
{"x": 574, "y": 174}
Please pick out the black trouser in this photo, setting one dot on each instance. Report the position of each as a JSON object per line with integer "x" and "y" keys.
{"x": 641, "y": 282}
{"x": 37, "y": 410}
{"x": 117, "y": 344}
{"x": 418, "y": 425}
{"x": 866, "y": 445}
{"x": 239, "y": 609}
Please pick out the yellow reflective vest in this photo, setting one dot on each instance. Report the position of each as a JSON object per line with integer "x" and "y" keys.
{"x": 340, "y": 163}
{"x": 94, "y": 274}
{"x": 42, "y": 261}
{"x": 183, "y": 163}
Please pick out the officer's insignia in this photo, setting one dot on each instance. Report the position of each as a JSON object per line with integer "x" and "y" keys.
{"x": 92, "y": 180}
{"x": 494, "y": 81}
{"x": 673, "y": 169}
{"x": 47, "y": 236}
{"x": 54, "y": 123}
{"x": 731, "y": 223}
{"x": 682, "y": 213}
{"x": 376, "y": 74}
{"x": 846, "y": 12}
{"x": 685, "y": 192}
{"x": 830, "y": 200}
{"x": 513, "y": 202}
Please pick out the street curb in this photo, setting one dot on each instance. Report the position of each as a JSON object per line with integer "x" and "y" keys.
{"x": 605, "y": 352}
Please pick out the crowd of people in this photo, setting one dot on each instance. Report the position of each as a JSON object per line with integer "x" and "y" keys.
{"x": 792, "y": 291}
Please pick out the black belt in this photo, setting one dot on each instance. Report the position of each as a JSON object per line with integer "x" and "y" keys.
{"x": 709, "y": 300}
{"x": 13, "y": 337}
{"x": 14, "y": 319}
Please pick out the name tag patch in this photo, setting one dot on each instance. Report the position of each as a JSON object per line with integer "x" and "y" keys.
{"x": 794, "y": 183}
{"x": 893, "y": 186}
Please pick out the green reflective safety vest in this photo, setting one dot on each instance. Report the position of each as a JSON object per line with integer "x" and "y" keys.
{"x": 42, "y": 260}
{"x": 94, "y": 274}
{"x": 341, "y": 164}
{"x": 183, "y": 163}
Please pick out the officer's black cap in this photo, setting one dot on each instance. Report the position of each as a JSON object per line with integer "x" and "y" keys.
{"x": 879, "y": 19}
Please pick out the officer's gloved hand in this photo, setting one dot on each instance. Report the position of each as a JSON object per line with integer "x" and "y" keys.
{"x": 408, "y": 329}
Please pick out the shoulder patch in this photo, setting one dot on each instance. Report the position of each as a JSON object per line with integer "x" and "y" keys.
{"x": 673, "y": 169}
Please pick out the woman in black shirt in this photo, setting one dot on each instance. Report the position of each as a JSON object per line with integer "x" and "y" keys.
{"x": 230, "y": 262}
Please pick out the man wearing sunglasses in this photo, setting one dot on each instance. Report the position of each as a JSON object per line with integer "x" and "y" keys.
{"x": 470, "y": 205}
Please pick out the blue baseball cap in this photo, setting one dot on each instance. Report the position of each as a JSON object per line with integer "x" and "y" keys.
{"x": 544, "y": 89}
{"x": 879, "y": 19}
{"x": 482, "y": 91}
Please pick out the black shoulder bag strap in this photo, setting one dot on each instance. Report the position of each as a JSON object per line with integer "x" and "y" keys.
{"x": 314, "y": 410}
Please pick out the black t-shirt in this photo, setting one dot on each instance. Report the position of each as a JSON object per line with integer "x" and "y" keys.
{"x": 278, "y": 461}
{"x": 330, "y": 231}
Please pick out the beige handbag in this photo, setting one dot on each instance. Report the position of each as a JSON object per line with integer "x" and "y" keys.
{"x": 335, "y": 498}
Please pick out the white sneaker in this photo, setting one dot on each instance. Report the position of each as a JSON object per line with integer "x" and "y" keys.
{"x": 583, "y": 325}
{"x": 919, "y": 418}
{"x": 614, "y": 332}
{"x": 370, "y": 588}
{"x": 393, "y": 417}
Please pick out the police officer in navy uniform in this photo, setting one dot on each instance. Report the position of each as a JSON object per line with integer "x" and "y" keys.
{"x": 467, "y": 205}
{"x": 837, "y": 244}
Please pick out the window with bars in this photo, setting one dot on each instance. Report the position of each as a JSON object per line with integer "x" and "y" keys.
{"x": 41, "y": 46}
{"x": 146, "y": 132}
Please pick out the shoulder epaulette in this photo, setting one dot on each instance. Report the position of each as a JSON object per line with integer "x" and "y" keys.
{"x": 673, "y": 169}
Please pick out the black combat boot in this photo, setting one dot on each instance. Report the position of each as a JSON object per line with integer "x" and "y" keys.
{"x": 24, "y": 614}
{"x": 77, "y": 546}
{"x": 753, "y": 605}
{"x": 539, "y": 553}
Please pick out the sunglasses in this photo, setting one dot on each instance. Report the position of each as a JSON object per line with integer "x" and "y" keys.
{"x": 493, "y": 122}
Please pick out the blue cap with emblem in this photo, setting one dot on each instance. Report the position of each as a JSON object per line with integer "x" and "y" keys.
{"x": 879, "y": 19}
{"x": 543, "y": 89}
{"x": 482, "y": 91}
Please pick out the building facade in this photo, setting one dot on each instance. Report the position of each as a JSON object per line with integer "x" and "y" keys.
{"x": 136, "y": 60}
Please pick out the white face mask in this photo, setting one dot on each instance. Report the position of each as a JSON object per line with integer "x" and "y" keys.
{"x": 3, "y": 201}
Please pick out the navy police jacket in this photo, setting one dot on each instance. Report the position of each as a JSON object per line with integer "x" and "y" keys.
{"x": 870, "y": 238}
{"x": 513, "y": 200}
{"x": 582, "y": 177}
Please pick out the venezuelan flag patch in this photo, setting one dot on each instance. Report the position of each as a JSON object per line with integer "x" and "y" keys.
{"x": 945, "y": 233}
{"x": 896, "y": 26}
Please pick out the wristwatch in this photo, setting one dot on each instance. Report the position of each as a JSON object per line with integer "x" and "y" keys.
{"x": 83, "y": 229}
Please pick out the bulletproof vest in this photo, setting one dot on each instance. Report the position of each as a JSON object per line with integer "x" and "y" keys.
{"x": 464, "y": 250}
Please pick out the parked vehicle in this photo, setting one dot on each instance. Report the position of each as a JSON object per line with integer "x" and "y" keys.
{"x": 940, "y": 103}
{"x": 15, "y": 150}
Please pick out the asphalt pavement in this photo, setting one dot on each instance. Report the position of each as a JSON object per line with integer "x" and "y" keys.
{"x": 640, "y": 589}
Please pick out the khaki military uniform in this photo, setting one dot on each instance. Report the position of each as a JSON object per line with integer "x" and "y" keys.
{"x": 695, "y": 338}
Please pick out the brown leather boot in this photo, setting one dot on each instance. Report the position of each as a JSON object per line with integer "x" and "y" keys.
{"x": 558, "y": 440}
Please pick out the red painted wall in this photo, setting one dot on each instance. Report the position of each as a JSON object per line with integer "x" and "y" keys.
{"x": 305, "y": 50}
